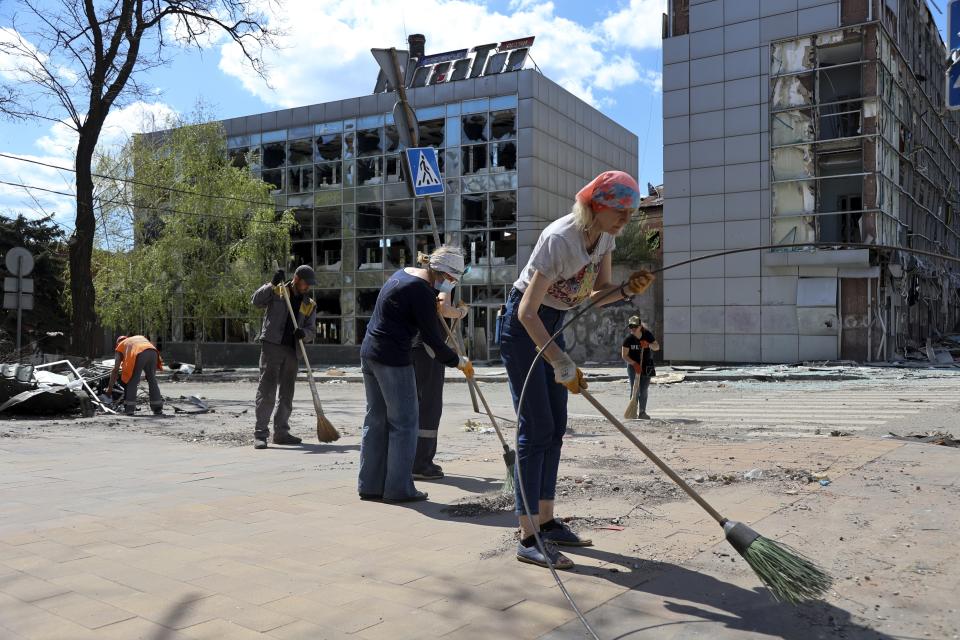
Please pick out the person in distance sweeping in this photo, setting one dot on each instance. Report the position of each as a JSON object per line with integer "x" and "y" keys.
{"x": 278, "y": 350}
{"x": 637, "y": 351}
{"x": 406, "y": 304}
{"x": 136, "y": 355}
{"x": 430, "y": 376}
{"x": 570, "y": 264}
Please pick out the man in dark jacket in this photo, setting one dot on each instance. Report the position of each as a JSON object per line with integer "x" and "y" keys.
{"x": 278, "y": 351}
{"x": 636, "y": 351}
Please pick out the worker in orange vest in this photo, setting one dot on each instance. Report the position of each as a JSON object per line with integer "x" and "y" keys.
{"x": 136, "y": 355}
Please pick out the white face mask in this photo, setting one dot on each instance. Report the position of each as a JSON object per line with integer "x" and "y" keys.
{"x": 444, "y": 286}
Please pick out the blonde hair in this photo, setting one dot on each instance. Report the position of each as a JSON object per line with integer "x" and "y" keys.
{"x": 582, "y": 215}
{"x": 444, "y": 250}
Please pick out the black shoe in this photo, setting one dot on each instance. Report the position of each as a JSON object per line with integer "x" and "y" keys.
{"x": 158, "y": 412}
{"x": 416, "y": 497}
{"x": 433, "y": 472}
{"x": 375, "y": 497}
{"x": 260, "y": 443}
{"x": 284, "y": 437}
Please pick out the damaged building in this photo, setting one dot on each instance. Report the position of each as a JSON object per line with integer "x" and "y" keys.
{"x": 800, "y": 121}
{"x": 514, "y": 147}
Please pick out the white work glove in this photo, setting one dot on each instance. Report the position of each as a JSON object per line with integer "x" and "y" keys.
{"x": 565, "y": 372}
{"x": 466, "y": 366}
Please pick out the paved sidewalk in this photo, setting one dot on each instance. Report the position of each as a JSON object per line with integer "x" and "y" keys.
{"x": 113, "y": 535}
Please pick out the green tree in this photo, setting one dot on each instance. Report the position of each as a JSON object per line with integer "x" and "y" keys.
{"x": 48, "y": 324}
{"x": 205, "y": 234}
{"x": 636, "y": 244}
{"x": 72, "y": 61}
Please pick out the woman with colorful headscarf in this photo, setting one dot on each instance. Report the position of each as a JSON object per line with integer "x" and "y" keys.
{"x": 570, "y": 264}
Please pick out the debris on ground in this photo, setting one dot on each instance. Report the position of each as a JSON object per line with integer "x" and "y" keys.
{"x": 181, "y": 371}
{"x": 37, "y": 390}
{"x": 484, "y": 506}
{"x": 932, "y": 437}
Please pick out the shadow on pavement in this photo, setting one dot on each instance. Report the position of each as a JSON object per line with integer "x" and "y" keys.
{"x": 470, "y": 484}
{"x": 313, "y": 447}
{"x": 737, "y": 608}
{"x": 173, "y": 617}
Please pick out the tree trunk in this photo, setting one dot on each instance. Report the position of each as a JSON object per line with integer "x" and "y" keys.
{"x": 86, "y": 336}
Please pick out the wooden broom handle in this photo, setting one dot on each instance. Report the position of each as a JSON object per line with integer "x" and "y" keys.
{"x": 653, "y": 457}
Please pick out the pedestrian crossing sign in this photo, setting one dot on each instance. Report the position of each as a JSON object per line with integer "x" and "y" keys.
{"x": 424, "y": 171}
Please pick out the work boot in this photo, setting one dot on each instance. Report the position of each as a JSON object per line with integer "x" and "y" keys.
{"x": 284, "y": 437}
{"x": 260, "y": 443}
{"x": 432, "y": 472}
{"x": 643, "y": 416}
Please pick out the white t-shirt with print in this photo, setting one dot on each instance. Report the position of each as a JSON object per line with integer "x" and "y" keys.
{"x": 561, "y": 256}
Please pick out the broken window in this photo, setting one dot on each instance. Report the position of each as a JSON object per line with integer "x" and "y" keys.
{"x": 369, "y": 143}
{"x": 328, "y": 331}
{"x": 399, "y": 252}
{"x": 503, "y": 247}
{"x": 789, "y": 127}
{"x": 303, "y": 229}
{"x": 329, "y": 175}
{"x": 423, "y": 219}
{"x": 431, "y": 133}
{"x": 329, "y": 255}
{"x": 503, "y": 124}
{"x": 503, "y": 156}
{"x": 369, "y": 257}
{"x": 274, "y": 178}
{"x": 349, "y": 150}
{"x": 366, "y": 301}
{"x": 238, "y": 157}
{"x": 328, "y": 302}
{"x": 424, "y": 243}
{"x": 474, "y": 211}
{"x": 300, "y": 152}
{"x": 301, "y": 253}
{"x": 328, "y": 222}
{"x": 329, "y": 147}
{"x": 369, "y": 219}
{"x": 394, "y": 169}
{"x": 474, "y": 128}
{"x": 398, "y": 216}
{"x": 391, "y": 139}
{"x": 475, "y": 248}
{"x": 793, "y": 91}
{"x": 369, "y": 171}
{"x": 300, "y": 179}
{"x": 475, "y": 159}
{"x": 503, "y": 209}
{"x": 274, "y": 155}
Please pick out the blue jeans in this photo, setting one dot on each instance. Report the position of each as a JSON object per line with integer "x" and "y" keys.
{"x": 644, "y": 388}
{"x": 388, "y": 441}
{"x": 543, "y": 417}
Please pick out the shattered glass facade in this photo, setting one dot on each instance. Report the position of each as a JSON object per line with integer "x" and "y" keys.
{"x": 795, "y": 121}
{"x": 513, "y": 150}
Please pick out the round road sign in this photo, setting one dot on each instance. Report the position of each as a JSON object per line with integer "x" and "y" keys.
{"x": 19, "y": 261}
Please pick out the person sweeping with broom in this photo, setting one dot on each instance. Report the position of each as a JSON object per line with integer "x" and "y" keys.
{"x": 406, "y": 305}
{"x": 570, "y": 264}
{"x": 636, "y": 351}
{"x": 279, "y": 335}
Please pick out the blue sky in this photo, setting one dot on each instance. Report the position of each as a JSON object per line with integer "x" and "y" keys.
{"x": 606, "y": 51}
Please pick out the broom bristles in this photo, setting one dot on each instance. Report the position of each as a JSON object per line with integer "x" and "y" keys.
{"x": 790, "y": 576}
{"x": 326, "y": 431}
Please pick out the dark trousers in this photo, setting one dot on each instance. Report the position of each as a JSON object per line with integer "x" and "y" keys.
{"x": 278, "y": 368}
{"x": 146, "y": 365}
{"x": 543, "y": 418}
{"x": 430, "y": 375}
{"x": 644, "y": 388}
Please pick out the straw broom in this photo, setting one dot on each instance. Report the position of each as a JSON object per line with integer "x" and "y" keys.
{"x": 509, "y": 455}
{"x": 325, "y": 430}
{"x": 790, "y": 576}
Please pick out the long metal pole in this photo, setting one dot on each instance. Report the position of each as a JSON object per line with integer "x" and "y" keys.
{"x": 19, "y": 303}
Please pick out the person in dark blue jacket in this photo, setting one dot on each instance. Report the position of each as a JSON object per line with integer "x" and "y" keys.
{"x": 406, "y": 305}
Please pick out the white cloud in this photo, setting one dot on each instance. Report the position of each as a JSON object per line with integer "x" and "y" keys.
{"x": 57, "y": 147}
{"x": 326, "y": 51}
{"x": 638, "y": 25}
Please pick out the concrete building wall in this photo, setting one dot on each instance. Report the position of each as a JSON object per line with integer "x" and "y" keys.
{"x": 716, "y": 179}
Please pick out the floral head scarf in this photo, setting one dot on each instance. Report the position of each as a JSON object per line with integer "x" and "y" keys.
{"x": 614, "y": 189}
